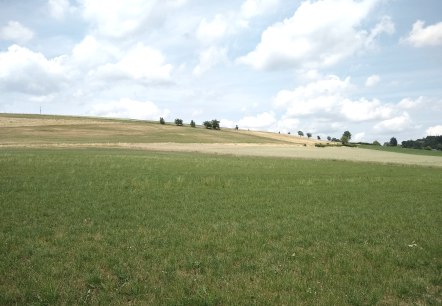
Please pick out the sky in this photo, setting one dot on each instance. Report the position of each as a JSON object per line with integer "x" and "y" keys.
{"x": 372, "y": 67}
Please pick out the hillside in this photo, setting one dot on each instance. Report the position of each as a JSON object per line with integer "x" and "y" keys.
{"x": 87, "y": 132}
{"x": 36, "y": 129}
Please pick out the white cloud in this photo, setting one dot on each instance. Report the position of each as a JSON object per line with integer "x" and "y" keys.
{"x": 316, "y": 97}
{"x": 120, "y": 19}
{"x": 434, "y": 130}
{"x": 252, "y": 8}
{"x": 22, "y": 70}
{"x": 364, "y": 110}
{"x": 209, "y": 58}
{"x": 128, "y": 108}
{"x": 141, "y": 63}
{"x": 358, "y": 137}
{"x": 408, "y": 103}
{"x": 397, "y": 124}
{"x": 59, "y": 8}
{"x": 372, "y": 80}
{"x": 421, "y": 36}
{"x": 212, "y": 31}
{"x": 260, "y": 121}
{"x": 386, "y": 25}
{"x": 91, "y": 52}
{"x": 16, "y": 32}
{"x": 319, "y": 34}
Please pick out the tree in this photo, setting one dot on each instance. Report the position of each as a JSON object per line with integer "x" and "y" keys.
{"x": 215, "y": 124}
{"x": 376, "y": 143}
{"x": 207, "y": 124}
{"x": 192, "y": 123}
{"x": 300, "y": 133}
{"x": 344, "y": 139}
{"x": 309, "y": 135}
{"x": 329, "y": 138}
{"x": 162, "y": 120}
{"x": 179, "y": 122}
{"x": 393, "y": 142}
{"x": 319, "y": 137}
{"x": 347, "y": 134}
{"x": 236, "y": 127}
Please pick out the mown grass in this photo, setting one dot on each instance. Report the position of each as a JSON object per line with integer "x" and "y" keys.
{"x": 115, "y": 227}
{"x": 403, "y": 150}
{"x": 102, "y": 130}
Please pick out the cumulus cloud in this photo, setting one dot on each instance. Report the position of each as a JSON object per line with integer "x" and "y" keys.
{"x": 119, "y": 19}
{"x": 16, "y": 32}
{"x": 364, "y": 110}
{"x": 141, "y": 63}
{"x": 319, "y": 34}
{"x": 421, "y": 36}
{"x": 128, "y": 108}
{"x": 252, "y": 8}
{"x": 22, "y": 70}
{"x": 398, "y": 124}
{"x": 316, "y": 97}
{"x": 260, "y": 121}
{"x": 434, "y": 130}
{"x": 209, "y": 58}
{"x": 212, "y": 31}
{"x": 372, "y": 80}
{"x": 59, "y": 8}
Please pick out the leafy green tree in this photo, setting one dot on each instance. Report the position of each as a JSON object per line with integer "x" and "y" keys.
{"x": 347, "y": 134}
{"x": 300, "y": 133}
{"x": 329, "y": 138}
{"x": 179, "y": 122}
{"x": 192, "y": 123}
{"x": 162, "y": 120}
{"x": 309, "y": 135}
{"x": 344, "y": 139}
{"x": 207, "y": 124}
{"x": 376, "y": 143}
{"x": 215, "y": 124}
{"x": 393, "y": 142}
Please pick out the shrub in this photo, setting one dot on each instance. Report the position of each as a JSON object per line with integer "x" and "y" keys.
{"x": 192, "y": 123}
{"x": 376, "y": 143}
{"x": 179, "y": 122}
{"x": 162, "y": 120}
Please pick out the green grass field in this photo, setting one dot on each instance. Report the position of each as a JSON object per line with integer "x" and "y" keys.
{"x": 112, "y": 227}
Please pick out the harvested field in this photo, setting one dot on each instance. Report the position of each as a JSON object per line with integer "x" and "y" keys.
{"x": 264, "y": 150}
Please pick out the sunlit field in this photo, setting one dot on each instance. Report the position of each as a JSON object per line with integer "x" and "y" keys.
{"x": 110, "y": 227}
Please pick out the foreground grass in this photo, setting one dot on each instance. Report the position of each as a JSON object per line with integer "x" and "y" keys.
{"x": 115, "y": 227}
{"x": 403, "y": 150}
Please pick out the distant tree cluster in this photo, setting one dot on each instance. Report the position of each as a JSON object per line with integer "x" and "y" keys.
{"x": 429, "y": 143}
{"x": 213, "y": 124}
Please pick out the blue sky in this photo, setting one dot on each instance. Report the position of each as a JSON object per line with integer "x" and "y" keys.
{"x": 373, "y": 67}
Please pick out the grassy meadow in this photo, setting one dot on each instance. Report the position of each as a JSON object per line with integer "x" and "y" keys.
{"x": 112, "y": 227}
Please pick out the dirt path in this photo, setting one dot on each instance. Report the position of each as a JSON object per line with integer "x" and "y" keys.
{"x": 267, "y": 150}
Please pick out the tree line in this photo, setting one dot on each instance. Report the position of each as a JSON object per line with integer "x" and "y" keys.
{"x": 428, "y": 143}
